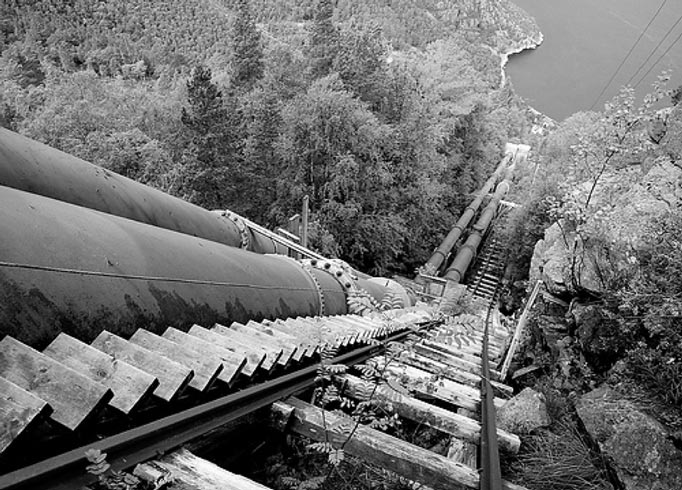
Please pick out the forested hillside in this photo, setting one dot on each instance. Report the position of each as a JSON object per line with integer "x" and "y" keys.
{"x": 386, "y": 113}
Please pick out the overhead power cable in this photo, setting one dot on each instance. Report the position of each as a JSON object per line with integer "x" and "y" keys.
{"x": 677, "y": 39}
{"x": 654, "y": 51}
{"x": 627, "y": 56}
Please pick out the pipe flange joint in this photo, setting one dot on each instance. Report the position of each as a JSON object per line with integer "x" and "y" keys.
{"x": 308, "y": 270}
{"x": 244, "y": 236}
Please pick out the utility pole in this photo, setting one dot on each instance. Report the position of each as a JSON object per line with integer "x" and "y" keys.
{"x": 304, "y": 222}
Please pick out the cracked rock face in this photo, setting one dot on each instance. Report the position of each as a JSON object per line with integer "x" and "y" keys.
{"x": 523, "y": 413}
{"x": 637, "y": 446}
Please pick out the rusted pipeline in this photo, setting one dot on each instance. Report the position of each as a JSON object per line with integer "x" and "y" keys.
{"x": 436, "y": 260}
{"x": 72, "y": 269}
{"x": 31, "y": 166}
{"x": 466, "y": 254}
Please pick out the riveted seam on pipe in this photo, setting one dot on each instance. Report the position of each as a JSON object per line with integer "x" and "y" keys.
{"x": 245, "y": 240}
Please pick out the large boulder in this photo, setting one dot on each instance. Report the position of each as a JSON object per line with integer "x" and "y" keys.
{"x": 552, "y": 263}
{"x": 637, "y": 446}
{"x": 524, "y": 413}
{"x": 599, "y": 337}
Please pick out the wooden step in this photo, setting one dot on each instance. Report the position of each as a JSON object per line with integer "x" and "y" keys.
{"x": 173, "y": 377}
{"x": 272, "y": 354}
{"x": 280, "y": 339}
{"x": 73, "y": 397}
{"x": 206, "y": 368}
{"x": 288, "y": 351}
{"x": 254, "y": 358}
{"x": 19, "y": 411}
{"x": 130, "y": 385}
{"x": 232, "y": 363}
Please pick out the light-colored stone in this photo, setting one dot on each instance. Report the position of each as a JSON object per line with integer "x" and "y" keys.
{"x": 523, "y": 413}
{"x": 636, "y": 445}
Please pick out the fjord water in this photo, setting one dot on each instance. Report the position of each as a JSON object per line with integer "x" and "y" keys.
{"x": 585, "y": 41}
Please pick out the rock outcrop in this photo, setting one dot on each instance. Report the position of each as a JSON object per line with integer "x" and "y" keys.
{"x": 524, "y": 413}
{"x": 637, "y": 446}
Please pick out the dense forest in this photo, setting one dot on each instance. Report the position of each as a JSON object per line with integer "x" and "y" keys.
{"x": 386, "y": 114}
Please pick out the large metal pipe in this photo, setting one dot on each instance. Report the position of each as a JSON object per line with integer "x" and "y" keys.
{"x": 31, "y": 166}
{"x": 68, "y": 268}
{"x": 436, "y": 260}
{"x": 466, "y": 254}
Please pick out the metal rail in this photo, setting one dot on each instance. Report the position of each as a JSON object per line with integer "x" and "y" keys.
{"x": 491, "y": 472}
{"x": 124, "y": 450}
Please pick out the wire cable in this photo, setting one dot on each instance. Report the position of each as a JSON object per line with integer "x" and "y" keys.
{"x": 659, "y": 59}
{"x": 654, "y": 51}
{"x": 627, "y": 56}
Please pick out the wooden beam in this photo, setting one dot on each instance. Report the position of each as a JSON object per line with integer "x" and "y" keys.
{"x": 206, "y": 368}
{"x": 272, "y": 354}
{"x": 232, "y": 363}
{"x": 189, "y": 472}
{"x": 254, "y": 358}
{"x": 173, "y": 377}
{"x": 19, "y": 410}
{"x": 73, "y": 397}
{"x": 130, "y": 385}
{"x": 455, "y": 424}
{"x": 375, "y": 447}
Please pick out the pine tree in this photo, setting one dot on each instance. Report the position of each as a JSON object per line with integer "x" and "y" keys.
{"x": 247, "y": 57}
{"x": 211, "y": 163}
{"x": 324, "y": 39}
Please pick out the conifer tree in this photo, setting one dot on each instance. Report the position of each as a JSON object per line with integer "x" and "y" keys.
{"x": 324, "y": 39}
{"x": 247, "y": 56}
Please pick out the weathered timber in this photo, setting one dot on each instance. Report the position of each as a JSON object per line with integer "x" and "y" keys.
{"x": 278, "y": 326}
{"x": 451, "y": 372}
{"x": 206, "y": 368}
{"x": 190, "y": 472}
{"x": 447, "y": 355}
{"x": 232, "y": 363}
{"x": 288, "y": 351}
{"x": 272, "y": 354}
{"x": 465, "y": 452}
{"x": 130, "y": 385}
{"x": 320, "y": 331}
{"x": 19, "y": 410}
{"x": 173, "y": 377}
{"x": 455, "y": 424}
{"x": 422, "y": 383}
{"x": 73, "y": 397}
{"x": 375, "y": 447}
{"x": 254, "y": 358}
{"x": 279, "y": 339}
{"x": 314, "y": 333}
{"x": 304, "y": 348}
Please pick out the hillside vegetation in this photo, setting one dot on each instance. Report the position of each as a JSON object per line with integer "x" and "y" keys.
{"x": 387, "y": 114}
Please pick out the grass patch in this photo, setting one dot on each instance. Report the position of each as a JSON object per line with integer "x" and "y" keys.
{"x": 559, "y": 460}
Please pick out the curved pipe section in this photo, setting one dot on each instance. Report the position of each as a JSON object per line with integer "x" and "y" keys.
{"x": 72, "y": 269}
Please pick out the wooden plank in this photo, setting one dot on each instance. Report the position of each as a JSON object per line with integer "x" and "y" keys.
{"x": 447, "y": 356}
{"x": 232, "y": 363}
{"x": 282, "y": 340}
{"x": 190, "y": 472}
{"x": 459, "y": 426}
{"x": 256, "y": 336}
{"x": 130, "y": 385}
{"x": 461, "y": 451}
{"x": 206, "y": 368}
{"x": 453, "y": 373}
{"x": 321, "y": 331}
{"x": 311, "y": 347}
{"x": 375, "y": 447}
{"x": 313, "y": 333}
{"x": 19, "y": 410}
{"x": 456, "y": 394}
{"x": 73, "y": 397}
{"x": 254, "y": 358}
{"x": 305, "y": 347}
{"x": 173, "y": 377}
{"x": 272, "y": 354}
